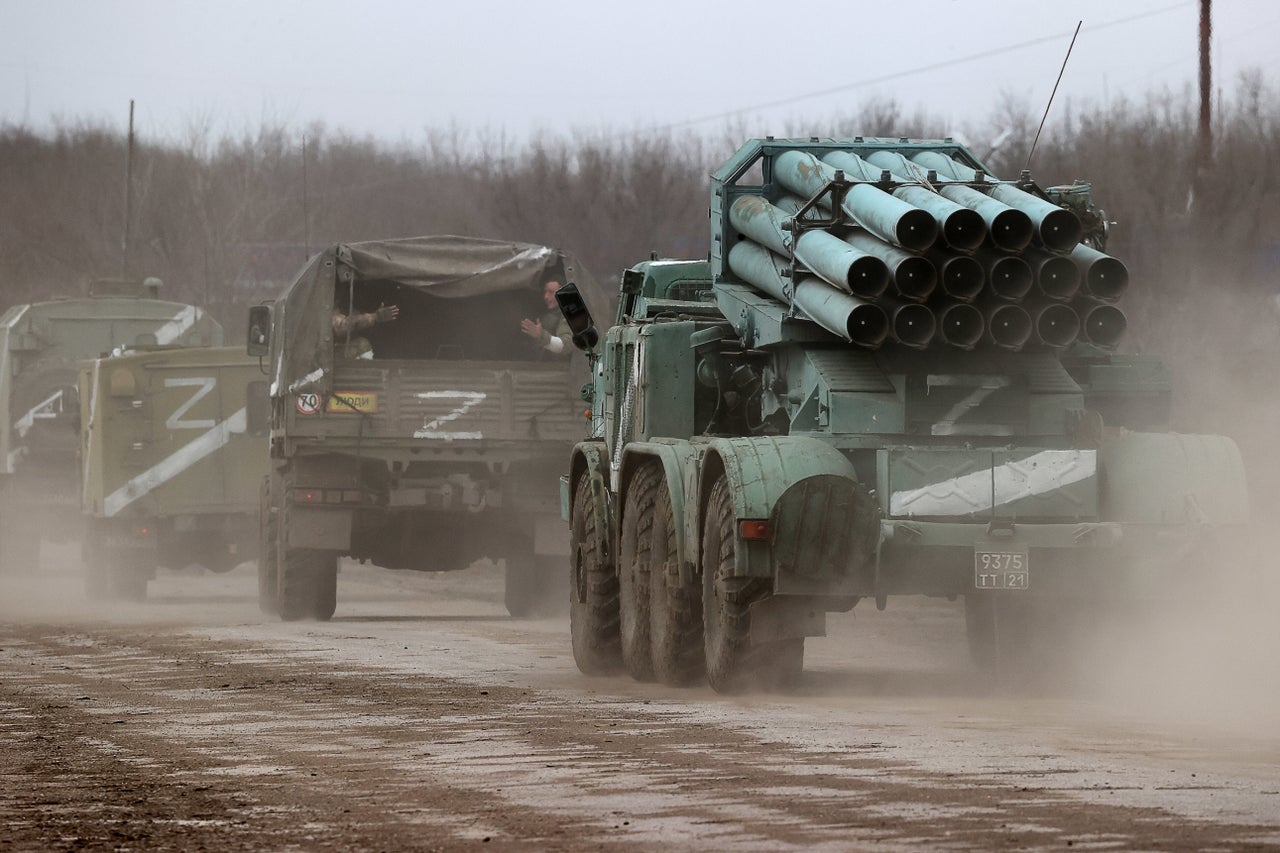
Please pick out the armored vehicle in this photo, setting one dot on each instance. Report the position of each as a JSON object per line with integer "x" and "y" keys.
{"x": 173, "y": 446}
{"x": 894, "y": 375}
{"x": 40, "y": 347}
{"x": 424, "y": 442}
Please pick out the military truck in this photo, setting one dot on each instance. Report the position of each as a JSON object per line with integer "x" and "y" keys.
{"x": 173, "y": 446}
{"x": 41, "y": 345}
{"x": 895, "y": 374}
{"x": 430, "y": 441}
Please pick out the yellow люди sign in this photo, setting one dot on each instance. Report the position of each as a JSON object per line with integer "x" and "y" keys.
{"x": 351, "y": 402}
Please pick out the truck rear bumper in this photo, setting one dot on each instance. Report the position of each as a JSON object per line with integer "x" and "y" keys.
{"x": 1083, "y": 558}
{"x": 1080, "y": 559}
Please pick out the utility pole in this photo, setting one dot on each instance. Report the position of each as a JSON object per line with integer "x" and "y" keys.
{"x": 1206, "y": 84}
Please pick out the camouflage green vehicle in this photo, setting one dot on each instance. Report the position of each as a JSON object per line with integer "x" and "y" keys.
{"x": 894, "y": 375}
{"x": 421, "y": 443}
{"x": 173, "y": 446}
{"x": 41, "y": 345}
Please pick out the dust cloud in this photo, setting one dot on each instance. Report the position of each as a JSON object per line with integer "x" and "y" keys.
{"x": 1206, "y": 653}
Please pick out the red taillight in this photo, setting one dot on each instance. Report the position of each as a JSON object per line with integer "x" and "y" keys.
{"x": 754, "y": 529}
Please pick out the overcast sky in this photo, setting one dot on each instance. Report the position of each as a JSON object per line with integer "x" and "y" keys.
{"x": 392, "y": 69}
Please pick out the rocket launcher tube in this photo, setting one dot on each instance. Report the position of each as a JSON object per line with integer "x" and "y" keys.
{"x": 1105, "y": 277}
{"x": 1057, "y": 276}
{"x": 911, "y": 323}
{"x": 1057, "y": 324}
{"x": 848, "y": 317}
{"x": 959, "y": 323}
{"x": 830, "y": 257}
{"x": 1008, "y": 276}
{"x": 1101, "y": 323}
{"x": 1008, "y": 326}
{"x": 961, "y": 228}
{"x": 1010, "y": 229}
{"x": 959, "y": 276}
{"x": 1057, "y": 229}
{"x": 889, "y": 218}
{"x": 913, "y": 277}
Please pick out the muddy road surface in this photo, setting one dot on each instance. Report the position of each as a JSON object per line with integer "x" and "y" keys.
{"x": 422, "y": 717}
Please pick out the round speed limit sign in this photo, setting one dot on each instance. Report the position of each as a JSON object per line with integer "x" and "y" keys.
{"x": 308, "y": 404}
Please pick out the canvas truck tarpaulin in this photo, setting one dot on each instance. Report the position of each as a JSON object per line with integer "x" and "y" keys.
{"x": 460, "y": 297}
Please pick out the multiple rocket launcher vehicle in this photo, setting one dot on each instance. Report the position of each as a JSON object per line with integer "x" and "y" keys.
{"x": 891, "y": 375}
{"x": 913, "y": 247}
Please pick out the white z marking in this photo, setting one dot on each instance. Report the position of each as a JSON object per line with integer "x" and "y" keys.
{"x": 431, "y": 429}
{"x": 204, "y": 386}
{"x": 173, "y": 465}
{"x": 42, "y": 411}
{"x": 181, "y": 323}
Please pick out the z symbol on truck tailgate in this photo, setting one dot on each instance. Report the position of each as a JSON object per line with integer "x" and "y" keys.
{"x": 467, "y": 400}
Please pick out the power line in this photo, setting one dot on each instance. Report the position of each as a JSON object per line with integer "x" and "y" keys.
{"x": 897, "y": 75}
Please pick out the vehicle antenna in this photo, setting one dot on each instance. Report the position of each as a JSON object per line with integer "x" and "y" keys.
{"x": 1044, "y": 117}
{"x": 306, "y": 218}
{"x": 128, "y": 198}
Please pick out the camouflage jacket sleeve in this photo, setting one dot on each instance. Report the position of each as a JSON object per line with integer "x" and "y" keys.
{"x": 342, "y": 323}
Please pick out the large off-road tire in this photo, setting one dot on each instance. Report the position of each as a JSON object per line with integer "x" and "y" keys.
{"x": 635, "y": 557}
{"x": 308, "y": 584}
{"x": 593, "y": 590}
{"x": 675, "y": 608}
{"x": 268, "y": 553}
{"x": 325, "y": 596}
{"x": 733, "y": 662}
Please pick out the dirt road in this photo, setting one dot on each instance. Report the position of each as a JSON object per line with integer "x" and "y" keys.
{"x": 424, "y": 718}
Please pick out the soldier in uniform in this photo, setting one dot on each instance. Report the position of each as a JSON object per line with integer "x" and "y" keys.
{"x": 349, "y": 345}
{"x": 551, "y": 331}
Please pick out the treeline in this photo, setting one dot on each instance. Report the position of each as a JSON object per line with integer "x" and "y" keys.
{"x": 226, "y": 219}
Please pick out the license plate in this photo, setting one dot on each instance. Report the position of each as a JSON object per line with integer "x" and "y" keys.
{"x": 1001, "y": 568}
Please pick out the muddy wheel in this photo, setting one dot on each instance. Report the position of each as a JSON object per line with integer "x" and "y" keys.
{"x": 324, "y": 599}
{"x": 593, "y": 593}
{"x": 635, "y": 557}
{"x": 268, "y": 554}
{"x": 733, "y": 662}
{"x": 675, "y": 608}
{"x": 308, "y": 584}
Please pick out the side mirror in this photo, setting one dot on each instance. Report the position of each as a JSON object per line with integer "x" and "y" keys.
{"x": 259, "y": 343}
{"x": 574, "y": 309}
